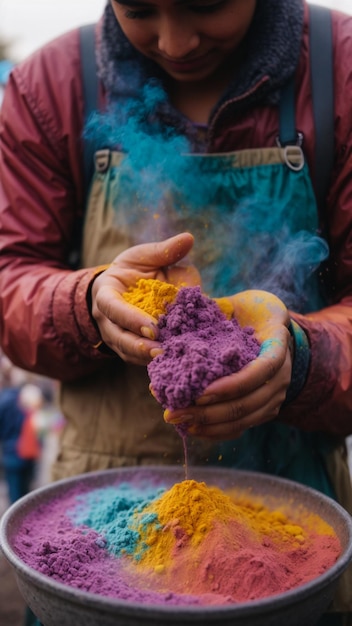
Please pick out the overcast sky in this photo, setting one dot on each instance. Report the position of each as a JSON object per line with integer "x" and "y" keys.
{"x": 28, "y": 24}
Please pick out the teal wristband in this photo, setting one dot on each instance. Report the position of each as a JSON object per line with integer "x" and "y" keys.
{"x": 301, "y": 361}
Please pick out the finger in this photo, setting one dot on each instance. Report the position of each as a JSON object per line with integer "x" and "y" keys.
{"x": 183, "y": 275}
{"x": 158, "y": 254}
{"x": 234, "y": 429}
{"x": 128, "y": 346}
{"x": 230, "y": 420}
{"x": 253, "y": 305}
{"x": 253, "y": 375}
{"x": 268, "y": 397}
{"x": 112, "y": 306}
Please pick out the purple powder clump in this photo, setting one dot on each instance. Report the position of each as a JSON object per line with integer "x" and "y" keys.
{"x": 199, "y": 346}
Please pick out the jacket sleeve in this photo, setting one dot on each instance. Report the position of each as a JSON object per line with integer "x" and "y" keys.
{"x": 325, "y": 402}
{"x": 45, "y": 324}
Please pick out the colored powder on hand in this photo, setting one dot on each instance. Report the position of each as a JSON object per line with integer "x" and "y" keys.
{"x": 225, "y": 305}
{"x": 152, "y": 296}
{"x": 199, "y": 345}
{"x": 189, "y": 545}
{"x": 201, "y": 341}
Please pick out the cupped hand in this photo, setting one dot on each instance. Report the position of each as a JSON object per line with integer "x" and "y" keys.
{"x": 125, "y": 328}
{"x": 254, "y": 395}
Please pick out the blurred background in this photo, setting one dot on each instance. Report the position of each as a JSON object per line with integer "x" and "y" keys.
{"x": 27, "y": 24}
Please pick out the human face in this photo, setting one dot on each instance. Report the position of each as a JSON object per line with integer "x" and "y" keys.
{"x": 190, "y": 39}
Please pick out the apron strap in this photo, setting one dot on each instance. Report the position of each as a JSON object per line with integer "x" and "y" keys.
{"x": 322, "y": 80}
{"x": 322, "y": 77}
{"x": 90, "y": 85}
{"x": 90, "y": 91}
{"x": 288, "y": 135}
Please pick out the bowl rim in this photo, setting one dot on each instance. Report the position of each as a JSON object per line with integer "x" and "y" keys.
{"x": 126, "y": 607}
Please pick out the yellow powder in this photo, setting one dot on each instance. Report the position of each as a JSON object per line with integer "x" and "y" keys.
{"x": 282, "y": 517}
{"x": 225, "y": 306}
{"x": 152, "y": 296}
{"x": 188, "y": 512}
{"x": 189, "y": 506}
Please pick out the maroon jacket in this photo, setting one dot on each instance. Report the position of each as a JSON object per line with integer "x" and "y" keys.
{"x": 45, "y": 324}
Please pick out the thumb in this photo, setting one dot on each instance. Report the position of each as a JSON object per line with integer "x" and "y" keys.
{"x": 158, "y": 254}
{"x": 258, "y": 308}
{"x": 172, "y": 250}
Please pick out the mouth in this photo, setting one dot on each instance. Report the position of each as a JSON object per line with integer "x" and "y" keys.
{"x": 186, "y": 66}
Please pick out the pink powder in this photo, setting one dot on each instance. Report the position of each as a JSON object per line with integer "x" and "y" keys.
{"x": 238, "y": 566}
{"x": 199, "y": 345}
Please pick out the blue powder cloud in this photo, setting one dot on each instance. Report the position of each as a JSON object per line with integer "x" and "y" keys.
{"x": 161, "y": 189}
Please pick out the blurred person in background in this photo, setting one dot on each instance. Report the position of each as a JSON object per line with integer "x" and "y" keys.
{"x": 18, "y": 438}
{"x": 27, "y": 415}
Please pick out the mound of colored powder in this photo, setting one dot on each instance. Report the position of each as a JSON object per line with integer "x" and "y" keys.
{"x": 197, "y": 538}
{"x": 190, "y": 544}
{"x": 199, "y": 345}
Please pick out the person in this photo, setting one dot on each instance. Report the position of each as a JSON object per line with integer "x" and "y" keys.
{"x": 20, "y": 400}
{"x": 19, "y": 442}
{"x": 191, "y": 171}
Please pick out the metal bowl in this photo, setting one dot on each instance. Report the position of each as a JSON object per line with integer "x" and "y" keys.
{"x": 56, "y": 604}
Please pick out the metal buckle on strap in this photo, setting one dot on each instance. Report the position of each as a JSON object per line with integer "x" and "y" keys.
{"x": 294, "y": 157}
{"x": 292, "y": 153}
{"x": 102, "y": 160}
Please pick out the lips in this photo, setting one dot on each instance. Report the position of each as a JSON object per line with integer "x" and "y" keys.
{"x": 186, "y": 66}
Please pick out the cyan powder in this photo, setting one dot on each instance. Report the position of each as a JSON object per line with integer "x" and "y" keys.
{"x": 199, "y": 345}
{"x": 111, "y": 510}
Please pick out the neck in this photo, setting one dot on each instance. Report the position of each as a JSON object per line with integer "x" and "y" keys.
{"x": 196, "y": 100}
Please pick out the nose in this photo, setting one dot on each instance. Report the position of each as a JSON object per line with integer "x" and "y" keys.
{"x": 177, "y": 38}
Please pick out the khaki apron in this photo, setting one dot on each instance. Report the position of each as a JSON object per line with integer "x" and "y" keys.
{"x": 111, "y": 418}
